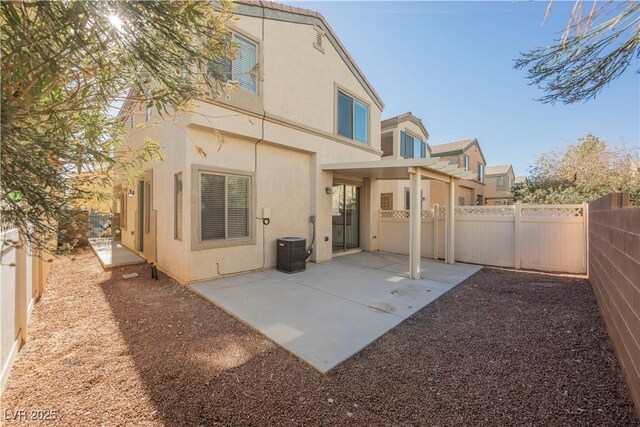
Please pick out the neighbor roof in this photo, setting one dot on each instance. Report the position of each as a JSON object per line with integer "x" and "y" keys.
{"x": 449, "y": 147}
{"x": 520, "y": 179}
{"x": 497, "y": 170}
{"x": 394, "y": 121}
{"x": 282, "y": 12}
{"x": 456, "y": 147}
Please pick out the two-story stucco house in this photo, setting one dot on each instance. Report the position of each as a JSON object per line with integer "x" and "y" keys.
{"x": 499, "y": 180}
{"x": 300, "y": 155}
{"x": 403, "y": 137}
{"x": 468, "y": 155}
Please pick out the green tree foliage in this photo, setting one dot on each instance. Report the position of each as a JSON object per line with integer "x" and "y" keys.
{"x": 65, "y": 65}
{"x": 595, "y": 49}
{"x": 581, "y": 173}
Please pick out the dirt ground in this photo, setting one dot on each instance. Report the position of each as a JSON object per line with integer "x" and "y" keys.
{"x": 503, "y": 348}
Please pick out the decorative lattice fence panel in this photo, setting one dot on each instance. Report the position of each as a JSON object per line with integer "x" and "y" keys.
{"x": 562, "y": 211}
{"x": 394, "y": 214}
{"x": 485, "y": 211}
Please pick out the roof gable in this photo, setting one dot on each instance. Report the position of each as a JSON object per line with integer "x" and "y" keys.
{"x": 286, "y": 13}
{"x": 498, "y": 170}
{"x": 395, "y": 121}
{"x": 457, "y": 147}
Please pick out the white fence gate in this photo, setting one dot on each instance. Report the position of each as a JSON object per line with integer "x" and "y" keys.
{"x": 538, "y": 237}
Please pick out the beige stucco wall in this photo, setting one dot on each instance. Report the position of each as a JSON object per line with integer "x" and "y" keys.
{"x": 293, "y": 117}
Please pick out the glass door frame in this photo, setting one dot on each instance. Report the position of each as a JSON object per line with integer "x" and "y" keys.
{"x": 358, "y": 217}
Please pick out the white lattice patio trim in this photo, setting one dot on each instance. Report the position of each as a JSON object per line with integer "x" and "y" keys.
{"x": 427, "y": 213}
{"x": 485, "y": 211}
{"x": 550, "y": 210}
{"x": 396, "y": 214}
{"x": 442, "y": 211}
{"x": 404, "y": 214}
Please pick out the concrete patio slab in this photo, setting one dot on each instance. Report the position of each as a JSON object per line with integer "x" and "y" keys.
{"x": 332, "y": 310}
{"x": 111, "y": 253}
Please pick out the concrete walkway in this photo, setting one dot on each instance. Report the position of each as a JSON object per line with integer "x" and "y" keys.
{"x": 333, "y": 310}
{"x": 111, "y": 253}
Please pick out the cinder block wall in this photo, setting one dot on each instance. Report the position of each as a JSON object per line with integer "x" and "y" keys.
{"x": 614, "y": 272}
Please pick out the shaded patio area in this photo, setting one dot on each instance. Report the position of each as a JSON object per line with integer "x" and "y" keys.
{"x": 333, "y": 310}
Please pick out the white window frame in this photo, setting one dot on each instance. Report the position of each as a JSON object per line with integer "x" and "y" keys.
{"x": 196, "y": 203}
{"x": 480, "y": 172}
{"x": 465, "y": 162}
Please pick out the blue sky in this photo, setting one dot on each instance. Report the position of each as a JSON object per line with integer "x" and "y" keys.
{"x": 451, "y": 64}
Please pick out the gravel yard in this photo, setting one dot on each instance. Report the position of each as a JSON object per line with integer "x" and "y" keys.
{"x": 503, "y": 348}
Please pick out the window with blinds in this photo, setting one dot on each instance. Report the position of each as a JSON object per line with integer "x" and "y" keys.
{"x": 177, "y": 206}
{"x": 242, "y": 68}
{"x": 224, "y": 206}
{"x": 147, "y": 207}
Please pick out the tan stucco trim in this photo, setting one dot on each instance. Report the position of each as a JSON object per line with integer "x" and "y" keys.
{"x": 196, "y": 243}
{"x": 279, "y": 120}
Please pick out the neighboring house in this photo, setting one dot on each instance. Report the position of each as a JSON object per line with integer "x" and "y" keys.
{"x": 519, "y": 179}
{"x": 468, "y": 155}
{"x": 300, "y": 147}
{"x": 499, "y": 180}
{"x": 403, "y": 137}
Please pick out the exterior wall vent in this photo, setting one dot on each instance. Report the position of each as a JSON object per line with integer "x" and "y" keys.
{"x": 318, "y": 43}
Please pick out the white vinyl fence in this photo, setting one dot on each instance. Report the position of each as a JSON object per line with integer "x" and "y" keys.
{"x": 538, "y": 237}
{"x": 22, "y": 277}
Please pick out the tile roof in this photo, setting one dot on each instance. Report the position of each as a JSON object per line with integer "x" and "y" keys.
{"x": 453, "y": 146}
{"x": 306, "y": 12}
{"x": 497, "y": 170}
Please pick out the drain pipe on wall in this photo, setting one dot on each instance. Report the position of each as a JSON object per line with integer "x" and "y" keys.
{"x": 265, "y": 221}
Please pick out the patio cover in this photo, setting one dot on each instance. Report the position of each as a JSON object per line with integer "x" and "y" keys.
{"x": 414, "y": 170}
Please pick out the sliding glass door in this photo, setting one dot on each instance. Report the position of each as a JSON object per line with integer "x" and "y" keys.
{"x": 346, "y": 217}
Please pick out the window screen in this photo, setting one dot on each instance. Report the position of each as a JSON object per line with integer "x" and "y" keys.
{"x": 361, "y": 119}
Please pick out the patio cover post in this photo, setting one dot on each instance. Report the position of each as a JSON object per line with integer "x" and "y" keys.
{"x": 415, "y": 216}
{"x": 451, "y": 215}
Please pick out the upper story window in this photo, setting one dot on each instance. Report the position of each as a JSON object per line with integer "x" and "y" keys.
{"x": 465, "y": 161}
{"x": 353, "y": 118}
{"x": 480, "y": 172}
{"x": 242, "y": 68}
{"x": 502, "y": 181}
{"x": 412, "y": 148}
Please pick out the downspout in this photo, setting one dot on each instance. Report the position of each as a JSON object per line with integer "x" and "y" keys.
{"x": 265, "y": 221}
